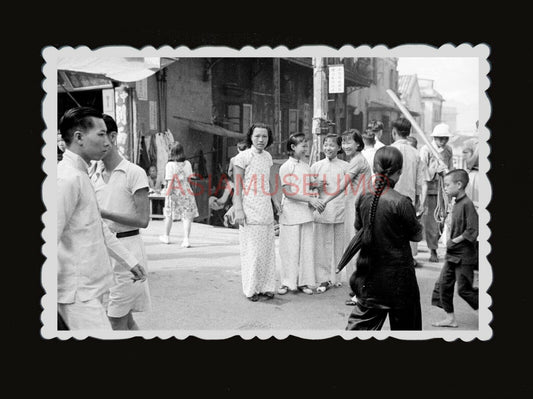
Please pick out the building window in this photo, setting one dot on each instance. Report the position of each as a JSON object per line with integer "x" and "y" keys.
{"x": 234, "y": 117}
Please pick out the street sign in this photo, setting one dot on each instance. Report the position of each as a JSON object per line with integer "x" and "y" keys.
{"x": 108, "y": 100}
{"x": 336, "y": 78}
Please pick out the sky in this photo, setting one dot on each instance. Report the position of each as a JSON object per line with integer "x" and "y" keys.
{"x": 456, "y": 79}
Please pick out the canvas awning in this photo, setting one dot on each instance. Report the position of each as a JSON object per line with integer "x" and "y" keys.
{"x": 209, "y": 128}
{"x": 122, "y": 69}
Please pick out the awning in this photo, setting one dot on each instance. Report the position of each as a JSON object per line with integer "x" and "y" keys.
{"x": 377, "y": 105}
{"x": 122, "y": 69}
{"x": 211, "y": 129}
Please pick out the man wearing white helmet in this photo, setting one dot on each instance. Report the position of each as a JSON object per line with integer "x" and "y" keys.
{"x": 441, "y": 135}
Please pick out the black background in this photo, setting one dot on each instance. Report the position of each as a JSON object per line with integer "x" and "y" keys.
{"x": 432, "y": 368}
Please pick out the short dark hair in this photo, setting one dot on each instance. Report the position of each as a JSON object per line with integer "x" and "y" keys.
{"x": 356, "y": 137}
{"x": 261, "y": 126}
{"x": 75, "y": 119}
{"x": 110, "y": 124}
{"x": 242, "y": 145}
{"x": 459, "y": 175}
{"x": 295, "y": 138}
{"x": 334, "y": 137}
{"x": 402, "y": 126}
{"x": 177, "y": 153}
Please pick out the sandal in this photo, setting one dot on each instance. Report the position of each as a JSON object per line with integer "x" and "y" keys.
{"x": 323, "y": 287}
{"x": 283, "y": 290}
{"x": 253, "y": 298}
{"x": 269, "y": 295}
{"x": 306, "y": 290}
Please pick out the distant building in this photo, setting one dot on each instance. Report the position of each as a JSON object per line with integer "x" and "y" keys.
{"x": 449, "y": 116}
{"x": 432, "y": 105}
{"x": 373, "y": 102}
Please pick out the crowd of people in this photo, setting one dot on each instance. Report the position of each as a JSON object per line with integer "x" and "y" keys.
{"x": 392, "y": 194}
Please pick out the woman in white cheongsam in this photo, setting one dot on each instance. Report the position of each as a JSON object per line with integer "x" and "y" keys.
{"x": 254, "y": 214}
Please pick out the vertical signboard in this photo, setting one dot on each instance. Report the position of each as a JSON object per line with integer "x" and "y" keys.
{"x": 141, "y": 87}
{"x": 121, "y": 101}
{"x": 336, "y": 78}
{"x": 108, "y": 100}
{"x": 153, "y": 115}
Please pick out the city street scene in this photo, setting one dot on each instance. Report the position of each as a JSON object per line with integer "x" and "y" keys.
{"x": 240, "y": 194}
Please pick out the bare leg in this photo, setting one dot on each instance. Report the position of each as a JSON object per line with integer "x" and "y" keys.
{"x": 186, "y": 231}
{"x": 168, "y": 225}
{"x": 131, "y": 323}
{"x": 119, "y": 323}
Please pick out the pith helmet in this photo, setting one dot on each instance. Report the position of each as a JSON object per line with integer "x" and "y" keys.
{"x": 441, "y": 130}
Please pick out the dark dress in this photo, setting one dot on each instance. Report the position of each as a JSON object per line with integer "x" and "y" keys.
{"x": 385, "y": 281}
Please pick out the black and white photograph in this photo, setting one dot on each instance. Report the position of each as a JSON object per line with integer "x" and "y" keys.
{"x": 266, "y": 192}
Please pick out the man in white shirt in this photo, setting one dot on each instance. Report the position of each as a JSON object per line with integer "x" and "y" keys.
{"x": 411, "y": 182}
{"x": 84, "y": 241}
{"x": 122, "y": 194}
{"x": 371, "y": 138}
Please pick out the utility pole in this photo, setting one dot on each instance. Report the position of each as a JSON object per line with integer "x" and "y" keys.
{"x": 320, "y": 106}
{"x": 277, "y": 105}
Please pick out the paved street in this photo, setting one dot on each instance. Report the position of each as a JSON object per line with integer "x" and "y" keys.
{"x": 199, "y": 288}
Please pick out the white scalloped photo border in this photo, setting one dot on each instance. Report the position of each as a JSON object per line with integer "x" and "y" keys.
{"x": 49, "y": 217}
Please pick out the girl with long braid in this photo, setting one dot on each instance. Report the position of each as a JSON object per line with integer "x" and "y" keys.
{"x": 385, "y": 281}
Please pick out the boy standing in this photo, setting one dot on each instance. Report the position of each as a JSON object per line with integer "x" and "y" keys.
{"x": 461, "y": 251}
{"x": 122, "y": 193}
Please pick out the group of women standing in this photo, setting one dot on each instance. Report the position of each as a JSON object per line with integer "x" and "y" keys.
{"x": 322, "y": 206}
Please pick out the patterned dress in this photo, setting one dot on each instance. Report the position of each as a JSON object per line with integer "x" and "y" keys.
{"x": 258, "y": 259}
{"x": 179, "y": 201}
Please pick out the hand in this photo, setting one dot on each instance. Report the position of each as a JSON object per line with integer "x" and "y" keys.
{"x": 319, "y": 184}
{"x": 317, "y": 204}
{"x": 421, "y": 210}
{"x": 239, "y": 217}
{"x": 441, "y": 168}
{"x": 277, "y": 207}
{"x": 138, "y": 273}
{"x": 450, "y": 243}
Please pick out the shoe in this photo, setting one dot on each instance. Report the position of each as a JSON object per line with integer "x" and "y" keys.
{"x": 323, "y": 287}
{"x": 339, "y": 284}
{"x": 306, "y": 290}
{"x": 185, "y": 244}
{"x": 269, "y": 295}
{"x": 164, "y": 239}
{"x": 350, "y": 302}
{"x": 445, "y": 323}
{"x": 253, "y": 298}
{"x": 283, "y": 290}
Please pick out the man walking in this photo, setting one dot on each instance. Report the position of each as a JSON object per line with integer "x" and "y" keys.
{"x": 122, "y": 193}
{"x": 84, "y": 241}
{"x": 441, "y": 135}
{"x": 371, "y": 138}
{"x": 411, "y": 182}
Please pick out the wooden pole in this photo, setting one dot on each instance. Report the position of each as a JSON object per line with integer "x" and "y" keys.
{"x": 320, "y": 106}
{"x": 415, "y": 125}
{"x": 277, "y": 104}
